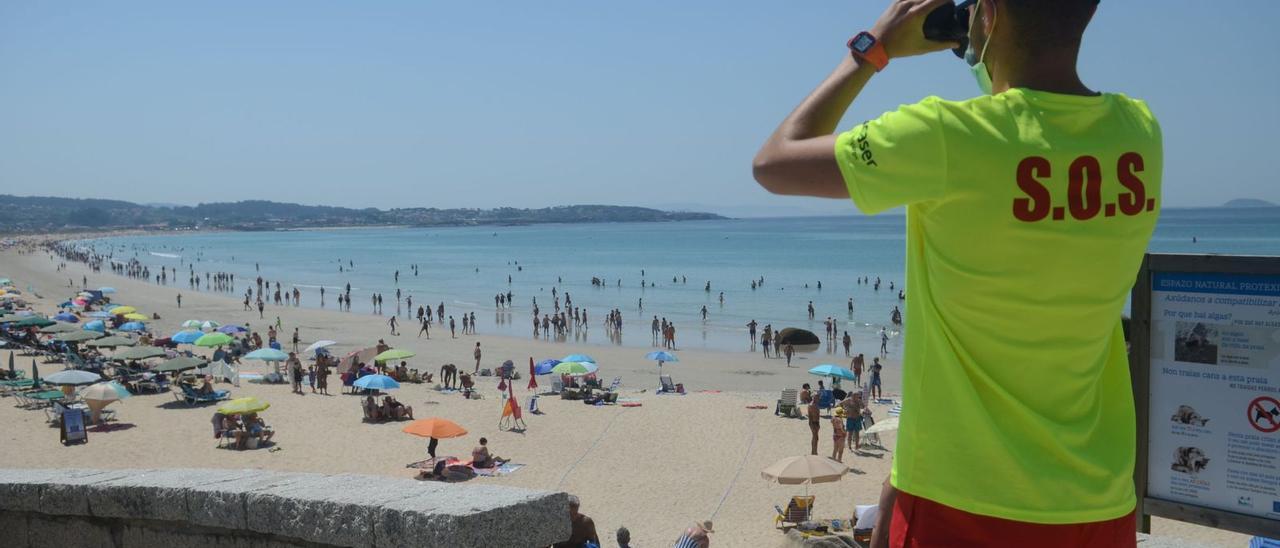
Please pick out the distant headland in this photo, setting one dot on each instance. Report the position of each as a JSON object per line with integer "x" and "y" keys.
{"x": 1248, "y": 202}
{"x": 27, "y": 214}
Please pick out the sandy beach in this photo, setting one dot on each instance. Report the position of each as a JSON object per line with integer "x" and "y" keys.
{"x": 653, "y": 469}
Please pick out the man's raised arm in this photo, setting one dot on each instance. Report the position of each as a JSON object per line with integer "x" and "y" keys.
{"x": 799, "y": 158}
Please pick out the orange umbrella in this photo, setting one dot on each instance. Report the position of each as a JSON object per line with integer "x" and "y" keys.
{"x": 435, "y": 427}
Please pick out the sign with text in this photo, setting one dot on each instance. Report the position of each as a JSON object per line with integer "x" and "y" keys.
{"x": 1212, "y": 394}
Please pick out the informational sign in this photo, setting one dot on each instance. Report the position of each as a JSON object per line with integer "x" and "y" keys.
{"x": 73, "y": 427}
{"x": 1212, "y": 394}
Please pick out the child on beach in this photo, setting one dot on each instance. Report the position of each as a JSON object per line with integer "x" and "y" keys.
{"x": 838, "y": 434}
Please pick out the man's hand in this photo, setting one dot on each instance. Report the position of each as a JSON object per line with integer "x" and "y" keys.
{"x": 900, "y": 29}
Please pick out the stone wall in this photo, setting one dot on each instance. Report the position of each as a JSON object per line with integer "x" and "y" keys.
{"x": 175, "y": 508}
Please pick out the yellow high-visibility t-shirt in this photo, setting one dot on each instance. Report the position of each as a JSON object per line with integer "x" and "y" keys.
{"x": 1027, "y": 215}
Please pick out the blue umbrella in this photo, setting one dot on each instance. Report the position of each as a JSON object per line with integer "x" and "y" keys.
{"x": 132, "y": 326}
{"x": 67, "y": 317}
{"x": 661, "y": 356}
{"x": 578, "y": 358}
{"x": 96, "y": 325}
{"x": 376, "y": 382}
{"x": 828, "y": 370}
{"x": 267, "y": 355}
{"x": 186, "y": 337}
{"x": 544, "y": 367}
{"x": 99, "y": 314}
{"x": 232, "y": 329}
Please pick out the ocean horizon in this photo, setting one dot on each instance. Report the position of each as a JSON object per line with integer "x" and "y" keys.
{"x": 466, "y": 267}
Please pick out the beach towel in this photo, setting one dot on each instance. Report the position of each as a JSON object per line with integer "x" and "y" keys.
{"x": 498, "y": 471}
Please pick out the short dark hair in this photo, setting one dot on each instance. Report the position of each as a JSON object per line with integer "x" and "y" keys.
{"x": 483, "y": 441}
{"x": 1049, "y": 24}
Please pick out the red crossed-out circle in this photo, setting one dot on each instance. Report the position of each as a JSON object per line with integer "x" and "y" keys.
{"x": 1260, "y": 417}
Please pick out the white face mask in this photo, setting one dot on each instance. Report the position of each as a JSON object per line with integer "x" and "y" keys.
{"x": 977, "y": 62}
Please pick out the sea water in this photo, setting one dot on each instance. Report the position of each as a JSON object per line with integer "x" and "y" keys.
{"x": 465, "y": 267}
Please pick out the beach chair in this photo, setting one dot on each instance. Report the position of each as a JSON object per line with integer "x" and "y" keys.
{"x": 787, "y": 406}
{"x": 668, "y": 386}
{"x": 191, "y": 397}
{"x": 798, "y": 511}
{"x": 826, "y": 400}
{"x": 617, "y": 382}
{"x": 557, "y": 386}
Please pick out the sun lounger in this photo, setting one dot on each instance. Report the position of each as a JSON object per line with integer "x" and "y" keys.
{"x": 787, "y": 406}
{"x": 798, "y": 511}
{"x": 191, "y": 397}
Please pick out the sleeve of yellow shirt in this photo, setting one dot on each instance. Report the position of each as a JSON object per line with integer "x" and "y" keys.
{"x": 897, "y": 159}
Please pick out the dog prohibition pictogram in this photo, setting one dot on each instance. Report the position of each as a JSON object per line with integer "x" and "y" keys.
{"x": 1264, "y": 414}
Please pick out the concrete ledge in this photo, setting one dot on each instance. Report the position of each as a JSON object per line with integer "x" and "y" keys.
{"x": 179, "y": 507}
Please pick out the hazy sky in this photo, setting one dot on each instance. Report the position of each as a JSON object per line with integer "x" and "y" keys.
{"x": 481, "y": 104}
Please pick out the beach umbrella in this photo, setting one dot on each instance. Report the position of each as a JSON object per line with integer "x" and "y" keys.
{"x": 574, "y": 369}
{"x": 213, "y": 340}
{"x": 108, "y": 307}
{"x": 96, "y": 325}
{"x": 544, "y": 367}
{"x": 105, "y": 391}
{"x": 241, "y": 406}
{"x": 112, "y": 342}
{"x": 35, "y": 375}
{"x": 6, "y": 281}
{"x": 886, "y": 425}
{"x": 33, "y": 321}
{"x": 186, "y": 337}
{"x": 363, "y": 355}
{"x": 393, "y": 354}
{"x": 319, "y": 344}
{"x": 13, "y": 373}
{"x": 73, "y": 377}
{"x": 805, "y": 470}
{"x": 192, "y": 324}
{"x": 533, "y": 376}
{"x": 182, "y": 363}
{"x": 100, "y": 395}
{"x": 107, "y": 290}
{"x": 210, "y": 325}
{"x": 578, "y": 358}
{"x": 435, "y": 427}
{"x": 67, "y": 317}
{"x": 140, "y": 353}
{"x": 59, "y": 328}
{"x": 661, "y": 356}
{"x": 134, "y": 316}
{"x": 99, "y": 314}
{"x": 828, "y": 370}
{"x": 77, "y": 336}
{"x": 232, "y": 329}
{"x": 132, "y": 326}
{"x": 376, "y": 382}
{"x": 267, "y": 355}
{"x": 121, "y": 310}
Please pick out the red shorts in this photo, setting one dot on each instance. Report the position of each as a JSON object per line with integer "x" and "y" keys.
{"x": 920, "y": 522}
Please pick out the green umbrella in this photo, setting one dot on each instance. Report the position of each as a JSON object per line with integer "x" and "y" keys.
{"x": 34, "y": 321}
{"x": 393, "y": 354}
{"x": 179, "y": 364}
{"x": 574, "y": 369}
{"x": 140, "y": 353}
{"x": 112, "y": 342}
{"x": 60, "y": 328}
{"x": 214, "y": 340}
{"x": 241, "y": 406}
{"x": 77, "y": 336}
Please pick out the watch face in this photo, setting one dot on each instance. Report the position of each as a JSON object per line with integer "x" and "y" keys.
{"x": 863, "y": 43}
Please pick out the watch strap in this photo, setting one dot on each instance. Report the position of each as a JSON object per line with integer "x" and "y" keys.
{"x": 874, "y": 54}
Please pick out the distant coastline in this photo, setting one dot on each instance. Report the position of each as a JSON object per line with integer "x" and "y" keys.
{"x": 45, "y": 215}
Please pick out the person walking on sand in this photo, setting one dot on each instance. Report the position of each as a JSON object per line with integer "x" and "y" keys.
{"x": 179, "y": 300}
{"x": 296, "y": 339}
{"x": 856, "y": 366}
{"x": 788, "y": 351}
{"x": 424, "y": 328}
{"x": 452, "y": 328}
{"x": 815, "y": 423}
{"x": 261, "y": 308}
{"x": 476, "y": 355}
{"x": 392, "y": 323}
{"x": 875, "y": 378}
{"x": 848, "y": 343}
